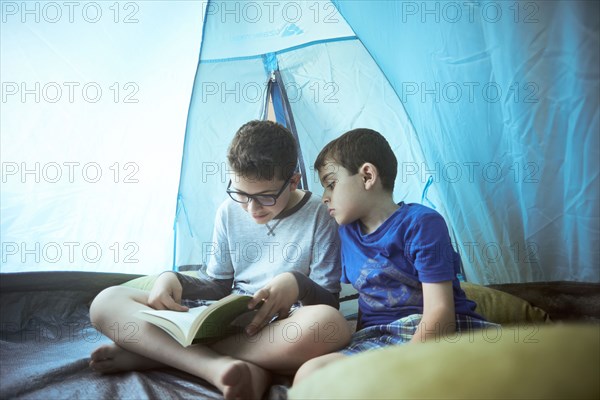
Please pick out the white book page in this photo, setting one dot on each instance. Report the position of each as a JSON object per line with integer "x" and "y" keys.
{"x": 183, "y": 319}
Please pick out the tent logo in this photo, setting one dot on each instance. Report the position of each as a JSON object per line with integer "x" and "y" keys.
{"x": 290, "y": 30}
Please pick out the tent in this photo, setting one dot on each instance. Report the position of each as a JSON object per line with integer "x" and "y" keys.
{"x": 491, "y": 108}
{"x": 474, "y": 105}
{"x": 116, "y": 116}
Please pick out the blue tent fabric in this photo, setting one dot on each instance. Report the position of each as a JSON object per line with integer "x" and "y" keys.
{"x": 328, "y": 87}
{"x": 491, "y": 107}
{"x": 505, "y": 100}
{"x": 494, "y": 109}
{"x": 92, "y": 122}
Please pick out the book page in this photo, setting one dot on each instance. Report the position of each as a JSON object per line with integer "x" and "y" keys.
{"x": 184, "y": 320}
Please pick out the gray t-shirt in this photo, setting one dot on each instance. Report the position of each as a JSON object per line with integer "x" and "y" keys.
{"x": 303, "y": 239}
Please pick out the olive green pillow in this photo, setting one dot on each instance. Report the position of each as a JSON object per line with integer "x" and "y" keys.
{"x": 146, "y": 282}
{"x": 494, "y": 305}
{"x": 503, "y": 308}
{"x": 529, "y": 362}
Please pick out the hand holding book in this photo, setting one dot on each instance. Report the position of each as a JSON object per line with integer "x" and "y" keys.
{"x": 204, "y": 323}
{"x": 277, "y": 298}
{"x": 229, "y": 315}
{"x": 166, "y": 293}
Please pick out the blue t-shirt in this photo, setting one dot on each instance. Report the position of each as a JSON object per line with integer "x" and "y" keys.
{"x": 387, "y": 266}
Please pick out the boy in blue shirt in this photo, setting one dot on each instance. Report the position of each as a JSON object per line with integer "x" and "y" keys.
{"x": 397, "y": 256}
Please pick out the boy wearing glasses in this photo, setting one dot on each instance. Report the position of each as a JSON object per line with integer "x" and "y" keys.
{"x": 271, "y": 240}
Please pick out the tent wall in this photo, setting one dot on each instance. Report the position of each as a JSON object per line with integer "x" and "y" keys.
{"x": 491, "y": 108}
{"x": 332, "y": 85}
{"x": 92, "y": 118}
{"x": 503, "y": 97}
{"x": 226, "y": 95}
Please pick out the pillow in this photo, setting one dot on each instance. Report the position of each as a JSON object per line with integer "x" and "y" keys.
{"x": 544, "y": 362}
{"x": 494, "y": 305}
{"x": 146, "y": 282}
{"x": 503, "y": 308}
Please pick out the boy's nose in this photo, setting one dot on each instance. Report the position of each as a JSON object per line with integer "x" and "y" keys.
{"x": 254, "y": 205}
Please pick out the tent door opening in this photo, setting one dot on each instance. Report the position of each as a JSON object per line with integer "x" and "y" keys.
{"x": 277, "y": 108}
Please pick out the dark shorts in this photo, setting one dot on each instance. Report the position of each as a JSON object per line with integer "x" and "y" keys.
{"x": 191, "y": 303}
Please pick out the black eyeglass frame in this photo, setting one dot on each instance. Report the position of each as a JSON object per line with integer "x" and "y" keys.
{"x": 253, "y": 197}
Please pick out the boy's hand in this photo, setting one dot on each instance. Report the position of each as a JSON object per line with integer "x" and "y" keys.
{"x": 166, "y": 293}
{"x": 277, "y": 297}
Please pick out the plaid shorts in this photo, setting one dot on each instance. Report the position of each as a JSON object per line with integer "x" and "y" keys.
{"x": 401, "y": 331}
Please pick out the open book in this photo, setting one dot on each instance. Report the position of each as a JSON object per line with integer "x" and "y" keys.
{"x": 205, "y": 323}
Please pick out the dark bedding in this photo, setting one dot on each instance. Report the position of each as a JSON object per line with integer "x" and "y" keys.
{"x": 46, "y": 339}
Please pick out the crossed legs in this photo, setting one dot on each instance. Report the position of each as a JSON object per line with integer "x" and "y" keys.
{"x": 239, "y": 365}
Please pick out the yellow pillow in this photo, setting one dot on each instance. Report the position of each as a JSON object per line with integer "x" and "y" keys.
{"x": 503, "y": 308}
{"x": 534, "y": 362}
{"x": 494, "y": 305}
{"x": 146, "y": 282}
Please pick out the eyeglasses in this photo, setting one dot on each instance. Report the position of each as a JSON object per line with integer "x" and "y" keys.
{"x": 266, "y": 200}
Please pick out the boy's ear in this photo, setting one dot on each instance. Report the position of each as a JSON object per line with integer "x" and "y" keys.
{"x": 369, "y": 175}
{"x": 295, "y": 181}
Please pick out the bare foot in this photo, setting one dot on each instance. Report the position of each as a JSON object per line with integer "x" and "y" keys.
{"x": 111, "y": 358}
{"x": 244, "y": 380}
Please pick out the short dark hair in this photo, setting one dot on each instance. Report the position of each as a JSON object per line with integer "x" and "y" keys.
{"x": 359, "y": 146}
{"x": 263, "y": 150}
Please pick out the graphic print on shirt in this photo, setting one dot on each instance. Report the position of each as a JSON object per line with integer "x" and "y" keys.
{"x": 383, "y": 286}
